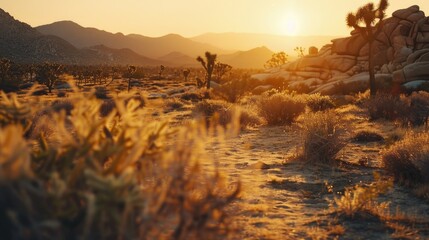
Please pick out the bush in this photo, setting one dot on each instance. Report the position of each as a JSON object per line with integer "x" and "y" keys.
{"x": 419, "y": 108}
{"x": 321, "y": 137}
{"x": 225, "y": 113}
{"x": 174, "y": 104}
{"x": 367, "y": 136}
{"x": 61, "y": 94}
{"x": 101, "y": 93}
{"x": 408, "y": 159}
{"x": 316, "y": 102}
{"x": 110, "y": 178}
{"x": 281, "y": 108}
{"x": 233, "y": 90}
{"x": 386, "y": 106}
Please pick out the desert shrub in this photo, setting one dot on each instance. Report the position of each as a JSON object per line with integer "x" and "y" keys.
{"x": 110, "y": 178}
{"x": 316, "y": 102}
{"x": 61, "y": 94}
{"x": 386, "y": 106}
{"x": 64, "y": 105}
{"x": 101, "y": 93}
{"x": 408, "y": 159}
{"x": 107, "y": 106}
{"x": 363, "y": 198}
{"x": 233, "y": 90}
{"x": 14, "y": 112}
{"x": 322, "y": 132}
{"x": 174, "y": 104}
{"x": 301, "y": 88}
{"x": 279, "y": 83}
{"x": 197, "y": 95}
{"x": 249, "y": 118}
{"x": 225, "y": 113}
{"x": 419, "y": 108}
{"x": 281, "y": 108}
{"x": 367, "y": 136}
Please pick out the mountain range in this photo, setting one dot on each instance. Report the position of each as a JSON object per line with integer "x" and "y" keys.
{"x": 68, "y": 42}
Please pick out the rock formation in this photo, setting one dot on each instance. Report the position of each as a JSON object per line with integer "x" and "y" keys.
{"x": 401, "y": 56}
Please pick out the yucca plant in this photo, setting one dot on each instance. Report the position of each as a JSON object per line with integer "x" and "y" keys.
{"x": 208, "y": 65}
{"x": 109, "y": 177}
{"x": 368, "y": 22}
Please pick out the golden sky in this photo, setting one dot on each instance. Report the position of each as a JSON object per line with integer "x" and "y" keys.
{"x": 193, "y": 17}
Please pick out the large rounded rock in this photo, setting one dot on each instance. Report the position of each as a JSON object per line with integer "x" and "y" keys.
{"x": 310, "y": 61}
{"x": 342, "y": 63}
{"x": 348, "y": 46}
{"x": 411, "y": 72}
{"x": 416, "y": 55}
{"x": 405, "y": 13}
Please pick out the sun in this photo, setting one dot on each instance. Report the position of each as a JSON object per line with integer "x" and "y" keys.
{"x": 289, "y": 25}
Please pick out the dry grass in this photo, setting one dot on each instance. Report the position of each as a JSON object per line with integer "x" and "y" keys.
{"x": 281, "y": 108}
{"x": 108, "y": 177}
{"x": 408, "y": 159}
{"x": 367, "y": 136}
{"x": 322, "y": 132}
{"x": 316, "y": 102}
{"x": 386, "y": 106}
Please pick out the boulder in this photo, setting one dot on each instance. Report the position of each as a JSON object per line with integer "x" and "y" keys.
{"x": 405, "y": 13}
{"x": 313, "y": 51}
{"x": 412, "y": 72}
{"x": 416, "y": 55}
{"x": 342, "y": 63}
{"x": 311, "y": 61}
{"x": 348, "y": 46}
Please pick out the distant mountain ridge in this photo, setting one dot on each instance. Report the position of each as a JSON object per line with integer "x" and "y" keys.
{"x": 245, "y": 41}
{"x": 82, "y": 37}
{"x": 69, "y": 43}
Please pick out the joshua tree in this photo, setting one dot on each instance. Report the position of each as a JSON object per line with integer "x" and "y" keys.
{"x": 368, "y": 21}
{"x": 221, "y": 69}
{"x": 47, "y": 74}
{"x": 208, "y": 66}
{"x": 300, "y": 51}
{"x": 186, "y": 73}
{"x": 161, "y": 70}
{"x": 276, "y": 60}
{"x": 130, "y": 72}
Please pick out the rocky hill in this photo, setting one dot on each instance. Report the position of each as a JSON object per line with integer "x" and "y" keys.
{"x": 401, "y": 57}
{"x": 254, "y": 58}
{"x": 20, "y": 42}
{"x": 82, "y": 37}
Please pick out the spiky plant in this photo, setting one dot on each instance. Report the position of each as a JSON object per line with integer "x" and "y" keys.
{"x": 48, "y": 74}
{"x": 131, "y": 70}
{"x": 368, "y": 22}
{"x": 208, "y": 65}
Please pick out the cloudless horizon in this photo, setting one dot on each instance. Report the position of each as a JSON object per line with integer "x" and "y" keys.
{"x": 191, "y": 18}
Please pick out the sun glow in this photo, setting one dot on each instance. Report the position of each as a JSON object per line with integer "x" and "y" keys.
{"x": 289, "y": 25}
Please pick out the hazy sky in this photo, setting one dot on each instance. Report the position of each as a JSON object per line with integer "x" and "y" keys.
{"x": 193, "y": 17}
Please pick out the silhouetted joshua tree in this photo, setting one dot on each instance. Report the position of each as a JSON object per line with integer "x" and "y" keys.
{"x": 47, "y": 74}
{"x": 161, "y": 70}
{"x": 208, "y": 65}
{"x": 130, "y": 72}
{"x": 368, "y": 21}
{"x": 186, "y": 73}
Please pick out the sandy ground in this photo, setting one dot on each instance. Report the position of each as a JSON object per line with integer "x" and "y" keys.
{"x": 284, "y": 199}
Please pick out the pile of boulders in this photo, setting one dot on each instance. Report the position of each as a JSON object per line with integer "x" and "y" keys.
{"x": 401, "y": 55}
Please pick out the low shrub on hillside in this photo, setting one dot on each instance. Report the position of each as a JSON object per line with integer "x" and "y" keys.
{"x": 322, "y": 137}
{"x": 317, "y": 102}
{"x": 408, "y": 159}
{"x": 367, "y": 136}
{"x": 419, "y": 108}
{"x": 226, "y": 113}
{"x": 281, "y": 108}
{"x": 108, "y": 177}
{"x": 233, "y": 90}
{"x": 386, "y": 106}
